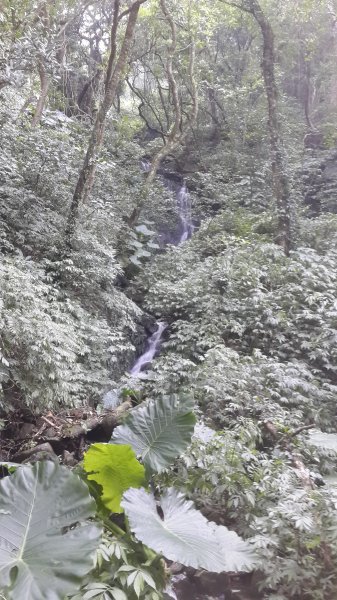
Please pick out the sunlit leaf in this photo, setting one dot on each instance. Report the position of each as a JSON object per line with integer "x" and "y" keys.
{"x": 116, "y": 469}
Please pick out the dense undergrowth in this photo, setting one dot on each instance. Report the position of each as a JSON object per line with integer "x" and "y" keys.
{"x": 251, "y": 334}
{"x": 249, "y": 351}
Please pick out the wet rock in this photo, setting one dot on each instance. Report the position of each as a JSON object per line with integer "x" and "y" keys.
{"x": 204, "y": 585}
{"x": 211, "y": 584}
{"x": 149, "y": 323}
{"x": 176, "y": 568}
{"x": 145, "y": 329}
{"x": 319, "y": 180}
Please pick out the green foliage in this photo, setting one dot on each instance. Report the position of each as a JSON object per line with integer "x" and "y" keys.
{"x": 296, "y": 536}
{"x": 115, "y": 469}
{"x": 56, "y": 353}
{"x": 183, "y": 534}
{"x": 248, "y": 295}
{"x": 159, "y": 431}
{"x": 67, "y": 327}
{"x": 41, "y": 554}
{"x": 124, "y": 570}
{"x": 251, "y": 334}
{"x": 142, "y": 240}
{"x": 44, "y": 550}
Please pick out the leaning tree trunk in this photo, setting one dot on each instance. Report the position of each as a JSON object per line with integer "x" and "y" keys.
{"x": 178, "y": 131}
{"x": 280, "y": 179}
{"x": 113, "y": 77}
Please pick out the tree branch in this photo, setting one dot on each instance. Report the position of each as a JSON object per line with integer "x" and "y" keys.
{"x": 128, "y": 10}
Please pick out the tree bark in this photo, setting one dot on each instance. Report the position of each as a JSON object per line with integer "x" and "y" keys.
{"x": 280, "y": 179}
{"x": 44, "y": 83}
{"x": 113, "y": 77}
{"x": 307, "y": 93}
{"x": 178, "y": 130}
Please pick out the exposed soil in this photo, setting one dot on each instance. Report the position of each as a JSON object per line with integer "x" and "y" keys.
{"x": 62, "y": 436}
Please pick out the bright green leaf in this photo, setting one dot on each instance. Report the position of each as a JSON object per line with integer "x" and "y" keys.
{"x": 116, "y": 469}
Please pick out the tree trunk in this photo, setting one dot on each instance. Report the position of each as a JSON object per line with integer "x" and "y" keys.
{"x": 87, "y": 173}
{"x": 280, "y": 179}
{"x": 44, "y": 83}
{"x": 307, "y": 94}
{"x": 178, "y": 131}
{"x": 333, "y": 85}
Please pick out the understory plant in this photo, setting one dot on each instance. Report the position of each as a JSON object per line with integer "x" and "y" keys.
{"x": 252, "y": 333}
{"x": 104, "y": 531}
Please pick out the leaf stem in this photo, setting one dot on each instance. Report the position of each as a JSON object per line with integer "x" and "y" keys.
{"x": 112, "y": 527}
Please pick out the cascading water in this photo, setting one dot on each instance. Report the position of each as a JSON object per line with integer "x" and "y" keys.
{"x": 181, "y": 588}
{"x": 185, "y": 213}
{"x": 183, "y": 200}
{"x": 184, "y": 206}
{"x": 151, "y": 351}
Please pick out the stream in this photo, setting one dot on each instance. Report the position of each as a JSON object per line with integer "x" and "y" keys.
{"x": 153, "y": 345}
{"x": 182, "y": 587}
{"x": 184, "y": 206}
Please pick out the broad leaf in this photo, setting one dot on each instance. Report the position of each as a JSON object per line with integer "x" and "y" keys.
{"x": 116, "y": 469}
{"x": 158, "y": 432}
{"x": 183, "y": 534}
{"x": 39, "y": 559}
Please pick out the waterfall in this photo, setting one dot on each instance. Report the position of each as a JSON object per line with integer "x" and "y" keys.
{"x": 145, "y": 165}
{"x": 152, "y": 349}
{"x": 185, "y": 213}
{"x": 183, "y": 200}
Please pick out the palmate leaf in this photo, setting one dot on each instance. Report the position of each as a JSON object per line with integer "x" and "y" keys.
{"x": 39, "y": 560}
{"x": 159, "y": 431}
{"x": 116, "y": 469}
{"x": 183, "y": 534}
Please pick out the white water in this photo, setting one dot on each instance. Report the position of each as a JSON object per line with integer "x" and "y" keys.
{"x": 185, "y": 213}
{"x": 183, "y": 199}
{"x": 184, "y": 205}
{"x": 145, "y": 165}
{"x": 151, "y": 351}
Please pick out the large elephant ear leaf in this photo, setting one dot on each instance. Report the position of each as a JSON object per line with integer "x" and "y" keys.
{"x": 183, "y": 534}
{"x": 40, "y": 556}
{"x": 159, "y": 431}
{"x": 115, "y": 469}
